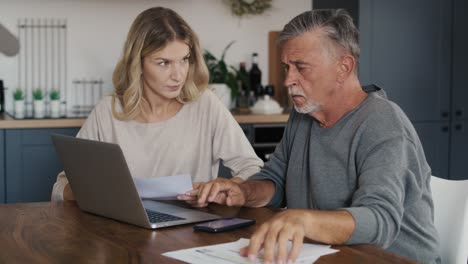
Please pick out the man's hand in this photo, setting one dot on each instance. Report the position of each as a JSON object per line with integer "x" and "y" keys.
{"x": 220, "y": 190}
{"x": 289, "y": 225}
{"x": 191, "y": 197}
{"x": 329, "y": 227}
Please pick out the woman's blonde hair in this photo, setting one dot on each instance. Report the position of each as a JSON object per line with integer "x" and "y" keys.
{"x": 151, "y": 31}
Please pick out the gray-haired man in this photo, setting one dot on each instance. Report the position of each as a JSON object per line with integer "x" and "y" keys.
{"x": 350, "y": 167}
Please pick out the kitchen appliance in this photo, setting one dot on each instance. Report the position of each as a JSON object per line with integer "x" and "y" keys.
{"x": 266, "y": 105}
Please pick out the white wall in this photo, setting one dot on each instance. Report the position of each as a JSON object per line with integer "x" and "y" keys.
{"x": 97, "y": 30}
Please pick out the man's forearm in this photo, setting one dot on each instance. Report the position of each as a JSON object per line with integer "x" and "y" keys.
{"x": 257, "y": 193}
{"x": 330, "y": 227}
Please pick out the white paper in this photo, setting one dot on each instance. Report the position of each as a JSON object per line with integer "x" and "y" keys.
{"x": 163, "y": 188}
{"x": 229, "y": 253}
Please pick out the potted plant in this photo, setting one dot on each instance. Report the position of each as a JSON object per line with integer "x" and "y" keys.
{"x": 38, "y": 96}
{"x": 223, "y": 79}
{"x": 18, "y": 96}
{"x": 54, "y": 97}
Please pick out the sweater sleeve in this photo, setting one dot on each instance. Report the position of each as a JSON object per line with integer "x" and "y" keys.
{"x": 389, "y": 181}
{"x": 230, "y": 143}
{"x": 59, "y": 186}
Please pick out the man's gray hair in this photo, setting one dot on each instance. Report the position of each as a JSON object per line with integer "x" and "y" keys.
{"x": 337, "y": 25}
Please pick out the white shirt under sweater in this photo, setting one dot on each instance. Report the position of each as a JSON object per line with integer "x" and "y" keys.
{"x": 193, "y": 142}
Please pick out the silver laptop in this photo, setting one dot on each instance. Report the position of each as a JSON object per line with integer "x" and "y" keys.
{"x": 102, "y": 184}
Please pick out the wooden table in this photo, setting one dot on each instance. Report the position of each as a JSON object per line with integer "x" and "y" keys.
{"x": 59, "y": 232}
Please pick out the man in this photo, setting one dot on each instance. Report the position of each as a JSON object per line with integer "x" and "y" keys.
{"x": 350, "y": 167}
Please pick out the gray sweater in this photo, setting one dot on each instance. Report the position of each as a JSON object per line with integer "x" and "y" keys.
{"x": 370, "y": 163}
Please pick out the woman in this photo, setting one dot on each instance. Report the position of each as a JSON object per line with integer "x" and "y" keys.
{"x": 161, "y": 114}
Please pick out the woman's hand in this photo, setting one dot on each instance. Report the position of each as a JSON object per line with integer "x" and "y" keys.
{"x": 68, "y": 193}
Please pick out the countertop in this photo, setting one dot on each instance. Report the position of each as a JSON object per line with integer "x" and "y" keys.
{"x": 8, "y": 122}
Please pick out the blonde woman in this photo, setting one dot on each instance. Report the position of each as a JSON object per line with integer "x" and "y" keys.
{"x": 161, "y": 114}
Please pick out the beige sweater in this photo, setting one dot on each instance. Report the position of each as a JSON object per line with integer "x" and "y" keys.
{"x": 193, "y": 142}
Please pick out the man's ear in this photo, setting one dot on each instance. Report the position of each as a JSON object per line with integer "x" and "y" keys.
{"x": 346, "y": 66}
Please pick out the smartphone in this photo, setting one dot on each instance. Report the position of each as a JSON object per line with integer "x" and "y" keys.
{"x": 223, "y": 225}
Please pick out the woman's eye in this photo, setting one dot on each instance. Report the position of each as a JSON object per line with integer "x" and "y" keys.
{"x": 162, "y": 63}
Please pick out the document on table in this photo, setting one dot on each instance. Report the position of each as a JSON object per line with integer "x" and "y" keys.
{"x": 163, "y": 188}
{"x": 228, "y": 253}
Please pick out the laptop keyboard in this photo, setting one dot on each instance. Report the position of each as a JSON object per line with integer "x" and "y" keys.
{"x": 155, "y": 217}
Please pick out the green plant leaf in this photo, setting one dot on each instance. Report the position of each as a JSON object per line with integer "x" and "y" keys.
{"x": 54, "y": 94}
{"x": 220, "y": 72}
{"x": 18, "y": 94}
{"x": 225, "y": 50}
{"x": 38, "y": 94}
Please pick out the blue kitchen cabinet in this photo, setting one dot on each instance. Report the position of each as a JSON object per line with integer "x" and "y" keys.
{"x": 2, "y": 166}
{"x": 31, "y": 163}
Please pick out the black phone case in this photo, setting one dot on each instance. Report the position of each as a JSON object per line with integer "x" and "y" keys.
{"x": 224, "y": 228}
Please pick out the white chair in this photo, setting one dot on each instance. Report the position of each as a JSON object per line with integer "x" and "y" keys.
{"x": 451, "y": 218}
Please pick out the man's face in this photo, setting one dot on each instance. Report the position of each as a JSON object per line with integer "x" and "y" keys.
{"x": 311, "y": 71}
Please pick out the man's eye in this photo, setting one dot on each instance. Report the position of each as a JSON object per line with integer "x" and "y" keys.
{"x": 162, "y": 63}
{"x": 299, "y": 66}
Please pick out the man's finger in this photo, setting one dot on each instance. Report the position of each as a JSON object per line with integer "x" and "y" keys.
{"x": 197, "y": 185}
{"x": 283, "y": 241}
{"x": 269, "y": 246}
{"x": 297, "y": 242}
{"x": 204, "y": 192}
{"x": 235, "y": 197}
{"x": 257, "y": 242}
{"x": 214, "y": 191}
{"x": 220, "y": 198}
{"x": 187, "y": 197}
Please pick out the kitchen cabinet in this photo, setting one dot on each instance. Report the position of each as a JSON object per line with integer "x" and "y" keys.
{"x": 31, "y": 163}
{"x": 2, "y": 166}
{"x": 416, "y": 51}
{"x": 459, "y": 110}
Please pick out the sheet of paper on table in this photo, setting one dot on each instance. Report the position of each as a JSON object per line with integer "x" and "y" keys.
{"x": 163, "y": 188}
{"x": 228, "y": 253}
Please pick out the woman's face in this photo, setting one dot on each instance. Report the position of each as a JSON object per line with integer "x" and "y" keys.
{"x": 165, "y": 71}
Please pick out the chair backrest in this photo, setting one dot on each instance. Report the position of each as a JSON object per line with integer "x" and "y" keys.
{"x": 451, "y": 218}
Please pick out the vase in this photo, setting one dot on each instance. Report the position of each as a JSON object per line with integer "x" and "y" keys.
{"x": 19, "y": 109}
{"x": 39, "y": 109}
{"x": 223, "y": 92}
{"x": 55, "y": 108}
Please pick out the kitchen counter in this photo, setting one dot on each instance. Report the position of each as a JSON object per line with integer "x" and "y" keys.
{"x": 7, "y": 122}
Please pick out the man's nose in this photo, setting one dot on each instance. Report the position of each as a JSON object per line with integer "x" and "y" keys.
{"x": 290, "y": 78}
